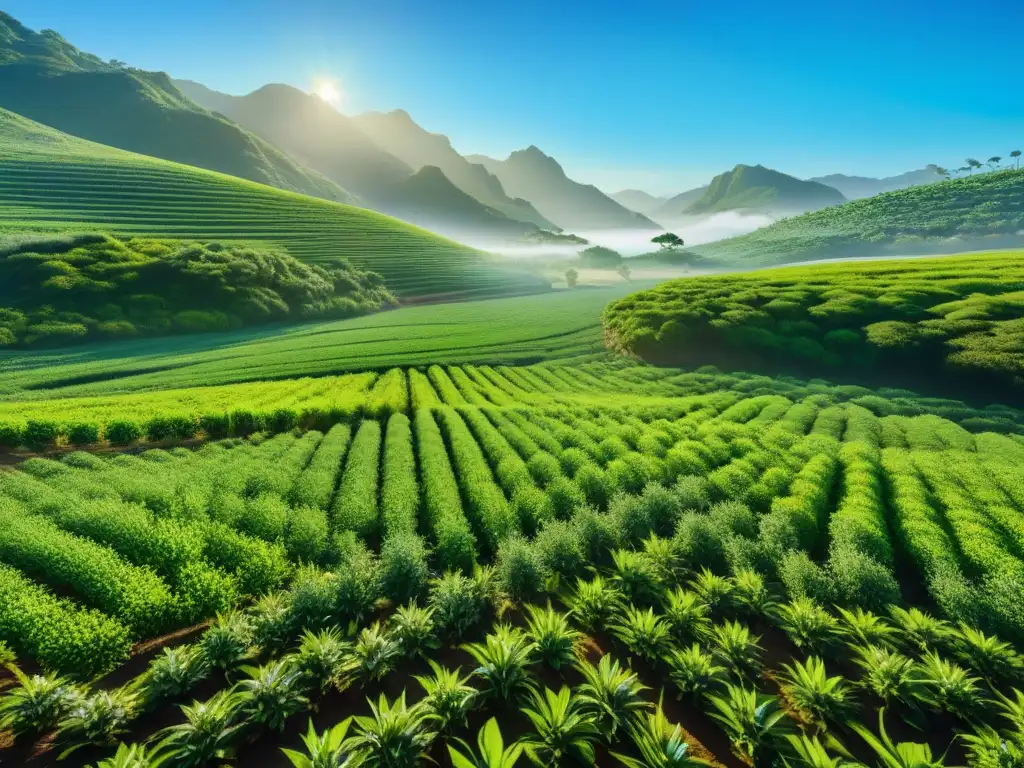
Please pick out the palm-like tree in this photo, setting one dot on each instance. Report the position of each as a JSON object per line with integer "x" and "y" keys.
{"x": 557, "y": 643}
{"x": 1016, "y": 157}
{"x": 504, "y": 659}
{"x": 323, "y": 750}
{"x": 273, "y": 693}
{"x": 756, "y": 723}
{"x": 971, "y": 164}
{"x": 134, "y": 756}
{"x": 208, "y": 733}
{"x": 661, "y": 744}
{"x": 906, "y": 754}
{"x": 491, "y": 750}
{"x": 993, "y": 162}
{"x": 448, "y": 695}
{"x": 37, "y": 704}
{"x": 564, "y": 731}
{"x": 818, "y": 697}
{"x": 612, "y": 693}
{"x": 392, "y": 735}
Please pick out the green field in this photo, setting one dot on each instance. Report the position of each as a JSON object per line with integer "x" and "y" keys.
{"x": 981, "y": 211}
{"x": 50, "y": 181}
{"x": 956, "y": 324}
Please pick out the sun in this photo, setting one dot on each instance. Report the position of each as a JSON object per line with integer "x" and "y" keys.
{"x": 328, "y": 91}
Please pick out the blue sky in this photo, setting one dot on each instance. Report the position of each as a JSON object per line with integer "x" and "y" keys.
{"x": 656, "y": 95}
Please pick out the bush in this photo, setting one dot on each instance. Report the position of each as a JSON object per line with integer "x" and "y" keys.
{"x": 594, "y": 484}
{"x": 560, "y": 549}
{"x": 83, "y": 433}
{"x": 122, "y": 432}
{"x": 358, "y": 578}
{"x": 520, "y": 571}
{"x": 565, "y": 496}
{"x": 458, "y": 603}
{"x": 245, "y": 423}
{"x": 11, "y": 435}
{"x": 403, "y": 567}
{"x": 215, "y": 425}
{"x": 803, "y": 578}
{"x": 282, "y": 420}
{"x": 41, "y": 434}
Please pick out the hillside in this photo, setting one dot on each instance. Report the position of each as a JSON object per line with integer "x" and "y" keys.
{"x": 312, "y": 132}
{"x": 981, "y": 211}
{"x": 674, "y": 207}
{"x": 638, "y": 200}
{"x": 52, "y": 181}
{"x": 45, "y": 78}
{"x": 400, "y": 135}
{"x": 856, "y": 187}
{"x": 948, "y": 324}
{"x": 760, "y": 189}
{"x": 534, "y": 176}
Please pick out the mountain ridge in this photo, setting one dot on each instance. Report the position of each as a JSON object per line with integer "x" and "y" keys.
{"x": 765, "y": 190}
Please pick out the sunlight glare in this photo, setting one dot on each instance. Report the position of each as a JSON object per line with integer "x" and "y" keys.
{"x": 328, "y": 91}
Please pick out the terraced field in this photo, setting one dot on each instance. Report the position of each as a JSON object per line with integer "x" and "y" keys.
{"x": 51, "y": 181}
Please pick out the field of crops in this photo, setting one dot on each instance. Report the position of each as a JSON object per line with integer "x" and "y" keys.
{"x": 51, "y": 181}
{"x": 714, "y": 538}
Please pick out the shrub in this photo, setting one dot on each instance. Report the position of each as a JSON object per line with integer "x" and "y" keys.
{"x": 565, "y": 496}
{"x": 560, "y": 549}
{"x": 458, "y": 603}
{"x": 122, "y": 432}
{"x": 11, "y": 435}
{"x": 83, "y": 433}
{"x": 215, "y": 425}
{"x": 403, "y": 567}
{"x": 40, "y": 434}
{"x": 520, "y": 570}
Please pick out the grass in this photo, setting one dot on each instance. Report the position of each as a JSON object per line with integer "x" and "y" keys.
{"x": 50, "y": 181}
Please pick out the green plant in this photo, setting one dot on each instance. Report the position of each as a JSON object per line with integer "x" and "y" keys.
{"x": 448, "y": 695}
{"x": 694, "y": 672}
{"x": 1012, "y": 709}
{"x": 808, "y": 751}
{"x": 555, "y": 641}
{"x": 173, "y": 673}
{"x": 594, "y": 602}
{"x": 504, "y": 659}
{"x": 612, "y": 693}
{"x": 866, "y": 628}
{"x": 228, "y": 642}
{"x": 36, "y": 704}
{"x": 635, "y": 577}
{"x": 993, "y": 658}
{"x": 736, "y": 648}
{"x": 414, "y": 629}
{"x": 133, "y": 756}
{"x": 644, "y": 633}
{"x": 323, "y": 658}
{"x": 949, "y": 688}
{"x": 323, "y": 750}
{"x": 716, "y": 591}
{"x": 273, "y": 693}
{"x": 393, "y": 735}
{"x": 661, "y": 744}
{"x": 751, "y": 594}
{"x": 921, "y": 632}
{"x": 375, "y": 652}
{"x": 755, "y": 723}
{"x": 687, "y": 615}
{"x": 564, "y": 732}
{"x": 987, "y": 748}
{"x": 209, "y": 732}
{"x": 458, "y": 603}
{"x": 97, "y": 719}
{"x": 818, "y": 697}
{"x": 7, "y": 656}
{"x": 661, "y": 553}
{"x": 270, "y": 620}
{"x": 889, "y": 675}
{"x": 906, "y": 754}
{"x": 808, "y": 625}
{"x": 491, "y": 750}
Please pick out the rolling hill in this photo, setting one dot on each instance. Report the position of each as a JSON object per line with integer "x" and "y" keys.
{"x": 45, "y": 78}
{"x": 52, "y": 181}
{"x": 534, "y": 176}
{"x": 638, "y": 200}
{"x": 400, "y": 135}
{"x": 982, "y": 211}
{"x": 756, "y": 188}
{"x": 856, "y": 187}
{"x": 674, "y": 207}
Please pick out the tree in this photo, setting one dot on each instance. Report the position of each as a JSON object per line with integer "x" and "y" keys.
{"x": 625, "y": 271}
{"x": 1016, "y": 156}
{"x": 993, "y": 162}
{"x": 572, "y": 277}
{"x": 940, "y": 171}
{"x": 668, "y": 240}
{"x": 971, "y": 164}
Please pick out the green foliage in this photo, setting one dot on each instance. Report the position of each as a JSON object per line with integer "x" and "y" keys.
{"x": 755, "y": 722}
{"x": 564, "y": 732}
{"x": 210, "y": 731}
{"x": 808, "y": 625}
{"x": 448, "y": 696}
{"x": 37, "y": 704}
{"x": 735, "y": 646}
{"x": 322, "y": 658}
{"x": 504, "y": 659}
{"x": 594, "y": 602}
{"x": 905, "y": 754}
{"x": 614, "y": 694}
{"x": 273, "y": 693}
{"x": 643, "y": 632}
{"x": 694, "y": 672}
{"x": 414, "y": 629}
{"x": 323, "y": 750}
{"x": 375, "y": 653}
{"x": 889, "y": 675}
{"x": 97, "y": 719}
{"x": 819, "y": 698}
{"x": 458, "y": 602}
{"x": 556, "y": 643}
{"x": 661, "y": 744}
{"x": 174, "y": 673}
{"x": 394, "y": 735}
{"x": 491, "y": 750}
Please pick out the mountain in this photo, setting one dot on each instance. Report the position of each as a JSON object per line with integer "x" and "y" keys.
{"x": 756, "y": 188}
{"x": 854, "y": 187}
{"x": 978, "y": 212}
{"x": 638, "y": 200}
{"x": 45, "y": 78}
{"x": 534, "y": 176}
{"x": 53, "y": 181}
{"x": 400, "y": 135}
{"x": 310, "y": 131}
{"x": 673, "y": 207}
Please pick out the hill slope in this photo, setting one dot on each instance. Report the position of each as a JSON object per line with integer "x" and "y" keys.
{"x": 856, "y": 187}
{"x": 52, "y": 181}
{"x": 754, "y": 187}
{"x": 400, "y": 135}
{"x": 530, "y": 174}
{"x": 986, "y": 210}
{"x": 45, "y": 78}
{"x": 674, "y": 207}
{"x": 638, "y": 200}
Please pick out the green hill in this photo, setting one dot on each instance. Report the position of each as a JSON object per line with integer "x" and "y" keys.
{"x": 949, "y": 324}
{"x": 674, "y": 207}
{"x": 52, "y": 181}
{"x": 45, "y": 78}
{"x": 855, "y": 187}
{"x": 983, "y": 211}
{"x": 756, "y": 188}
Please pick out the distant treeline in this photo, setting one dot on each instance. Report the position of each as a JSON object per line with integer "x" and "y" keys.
{"x": 59, "y": 289}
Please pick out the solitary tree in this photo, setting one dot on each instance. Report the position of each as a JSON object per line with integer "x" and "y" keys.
{"x": 668, "y": 240}
{"x": 940, "y": 171}
{"x": 572, "y": 277}
{"x": 971, "y": 164}
{"x": 625, "y": 271}
{"x": 1016, "y": 156}
{"x": 993, "y": 162}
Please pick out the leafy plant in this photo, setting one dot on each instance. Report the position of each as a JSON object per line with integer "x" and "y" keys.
{"x": 635, "y": 577}
{"x": 458, "y": 602}
{"x": 644, "y": 633}
{"x": 448, "y": 695}
{"x": 491, "y": 750}
{"x": 661, "y": 553}
{"x": 7, "y": 656}
{"x": 504, "y": 659}
{"x": 808, "y": 625}
{"x": 323, "y": 750}
{"x": 98, "y": 719}
{"x": 271, "y": 621}
{"x": 174, "y": 673}
{"x": 133, "y": 756}
{"x": 564, "y": 732}
{"x": 751, "y": 594}
{"x": 920, "y": 631}
{"x": 949, "y": 688}
{"x": 228, "y": 642}
{"x": 661, "y": 744}
{"x": 993, "y": 658}
{"x": 716, "y": 591}
{"x": 323, "y": 658}
{"x": 37, "y": 704}
{"x": 393, "y": 735}
{"x": 818, "y": 697}
{"x": 755, "y": 723}
{"x": 594, "y": 602}
{"x": 694, "y": 672}
{"x": 866, "y": 628}
{"x": 735, "y": 647}
{"x": 612, "y": 693}
{"x": 1012, "y": 709}
{"x": 889, "y": 675}
{"x": 208, "y": 733}
{"x": 906, "y": 754}
{"x": 374, "y": 653}
{"x": 687, "y": 615}
{"x": 556, "y": 642}
{"x": 414, "y": 629}
{"x": 273, "y": 693}
{"x": 811, "y": 753}
{"x": 987, "y": 748}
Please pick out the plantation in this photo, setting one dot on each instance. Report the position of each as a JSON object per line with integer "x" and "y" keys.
{"x": 50, "y": 181}
{"x": 953, "y": 323}
{"x": 614, "y": 562}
